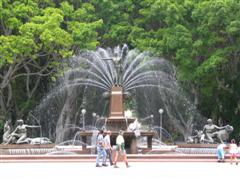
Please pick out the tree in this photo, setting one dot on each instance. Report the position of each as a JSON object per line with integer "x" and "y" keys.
{"x": 33, "y": 41}
{"x": 202, "y": 39}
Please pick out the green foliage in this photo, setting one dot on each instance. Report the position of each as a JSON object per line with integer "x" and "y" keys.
{"x": 117, "y": 33}
{"x": 86, "y": 13}
{"x": 82, "y": 32}
{"x": 14, "y": 48}
{"x": 67, "y": 9}
{"x": 38, "y": 34}
{"x": 200, "y": 37}
{"x": 212, "y": 63}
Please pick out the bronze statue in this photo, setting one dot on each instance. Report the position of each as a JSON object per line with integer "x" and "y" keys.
{"x": 211, "y": 133}
{"x": 19, "y": 135}
{"x": 118, "y": 63}
{"x": 209, "y": 130}
{"x": 7, "y": 131}
{"x": 117, "y": 59}
{"x": 223, "y": 135}
{"x": 119, "y": 69}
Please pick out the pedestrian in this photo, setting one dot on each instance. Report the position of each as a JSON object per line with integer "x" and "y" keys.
{"x": 108, "y": 147}
{"x": 233, "y": 150}
{"x": 120, "y": 149}
{"x": 221, "y": 152}
{"x": 101, "y": 153}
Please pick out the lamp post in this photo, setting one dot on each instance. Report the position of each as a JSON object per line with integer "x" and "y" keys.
{"x": 152, "y": 122}
{"x": 83, "y": 118}
{"x": 160, "y": 123}
{"x": 94, "y": 115}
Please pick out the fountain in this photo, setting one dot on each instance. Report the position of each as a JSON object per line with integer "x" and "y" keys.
{"x": 93, "y": 93}
{"x": 117, "y": 120}
{"x": 119, "y": 79}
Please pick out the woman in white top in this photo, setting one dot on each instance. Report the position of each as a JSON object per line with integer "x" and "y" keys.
{"x": 120, "y": 149}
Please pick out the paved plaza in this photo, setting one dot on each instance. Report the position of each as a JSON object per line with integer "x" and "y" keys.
{"x": 138, "y": 170}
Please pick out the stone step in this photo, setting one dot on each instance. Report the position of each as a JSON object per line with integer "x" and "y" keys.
{"x": 92, "y": 158}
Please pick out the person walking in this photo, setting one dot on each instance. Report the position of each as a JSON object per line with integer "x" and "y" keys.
{"x": 101, "y": 153}
{"x": 120, "y": 143}
{"x": 108, "y": 147}
{"x": 233, "y": 150}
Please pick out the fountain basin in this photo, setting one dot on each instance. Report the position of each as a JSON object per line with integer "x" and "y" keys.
{"x": 130, "y": 140}
{"x": 25, "y": 149}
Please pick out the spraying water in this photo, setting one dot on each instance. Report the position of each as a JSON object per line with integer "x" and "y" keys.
{"x": 151, "y": 81}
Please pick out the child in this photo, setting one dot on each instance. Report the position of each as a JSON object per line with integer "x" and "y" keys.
{"x": 220, "y": 152}
{"x": 233, "y": 150}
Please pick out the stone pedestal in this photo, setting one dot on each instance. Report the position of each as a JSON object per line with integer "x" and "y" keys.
{"x": 116, "y": 120}
{"x": 116, "y": 103}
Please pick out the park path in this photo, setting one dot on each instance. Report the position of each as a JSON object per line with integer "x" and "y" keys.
{"x": 138, "y": 170}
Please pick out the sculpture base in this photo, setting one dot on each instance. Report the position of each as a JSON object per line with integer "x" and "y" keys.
{"x": 129, "y": 137}
{"x": 25, "y": 149}
{"x": 118, "y": 123}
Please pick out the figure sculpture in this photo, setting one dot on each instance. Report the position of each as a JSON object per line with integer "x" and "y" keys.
{"x": 222, "y": 135}
{"x": 135, "y": 127}
{"x": 38, "y": 140}
{"x": 7, "y": 131}
{"x": 211, "y": 133}
{"x": 19, "y": 135}
{"x": 118, "y": 67}
{"x": 197, "y": 137}
{"x": 117, "y": 60}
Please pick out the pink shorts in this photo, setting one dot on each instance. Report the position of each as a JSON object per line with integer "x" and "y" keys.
{"x": 233, "y": 155}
